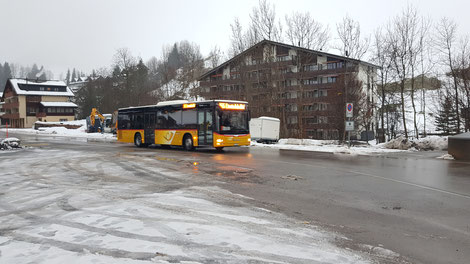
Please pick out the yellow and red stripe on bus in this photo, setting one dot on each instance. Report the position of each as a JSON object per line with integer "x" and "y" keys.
{"x": 231, "y": 140}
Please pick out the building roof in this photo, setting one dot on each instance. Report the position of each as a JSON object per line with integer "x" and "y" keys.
{"x": 263, "y": 42}
{"x": 58, "y": 104}
{"x": 16, "y": 83}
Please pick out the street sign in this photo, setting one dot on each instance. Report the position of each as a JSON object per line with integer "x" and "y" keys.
{"x": 349, "y": 125}
{"x": 349, "y": 110}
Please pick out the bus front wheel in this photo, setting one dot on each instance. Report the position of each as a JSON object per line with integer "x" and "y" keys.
{"x": 188, "y": 143}
{"x": 219, "y": 149}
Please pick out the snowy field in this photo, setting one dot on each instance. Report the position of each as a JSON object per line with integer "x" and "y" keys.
{"x": 63, "y": 206}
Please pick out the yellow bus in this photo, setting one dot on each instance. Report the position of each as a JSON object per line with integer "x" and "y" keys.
{"x": 215, "y": 123}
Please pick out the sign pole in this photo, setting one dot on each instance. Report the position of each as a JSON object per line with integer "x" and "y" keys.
{"x": 7, "y": 129}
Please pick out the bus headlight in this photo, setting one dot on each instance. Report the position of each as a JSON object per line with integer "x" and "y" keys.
{"x": 249, "y": 139}
{"x": 220, "y": 140}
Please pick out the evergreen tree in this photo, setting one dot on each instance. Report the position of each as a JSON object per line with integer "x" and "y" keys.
{"x": 446, "y": 119}
{"x": 5, "y": 74}
{"x": 174, "y": 60}
{"x": 34, "y": 71}
{"x": 74, "y": 75}
{"x": 67, "y": 77}
{"x": 2, "y": 84}
{"x": 42, "y": 77}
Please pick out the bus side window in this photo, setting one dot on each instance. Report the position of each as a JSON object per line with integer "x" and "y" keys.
{"x": 174, "y": 119}
{"x": 189, "y": 119}
{"x": 162, "y": 117}
{"x": 138, "y": 121}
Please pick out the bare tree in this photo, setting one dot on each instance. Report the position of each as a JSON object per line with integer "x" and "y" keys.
{"x": 215, "y": 56}
{"x": 381, "y": 50}
{"x": 446, "y": 36}
{"x": 304, "y": 31}
{"x": 352, "y": 44}
{"x": 463, "y": 65}
{"x": 124, "y": 59}
{"x": 237, "y": 38}
{"x": 400, "y": 31}
{"x": 263, "y": 20}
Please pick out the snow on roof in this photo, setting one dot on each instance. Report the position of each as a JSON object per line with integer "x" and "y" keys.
{"x": 269, "y": 118}
{"x": 172, "y": 102}
{"x": 58, "y": 104}
{"x": 18, "y": 91}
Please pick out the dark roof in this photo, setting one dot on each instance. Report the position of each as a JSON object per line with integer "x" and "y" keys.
{"x": 263, "y": 42}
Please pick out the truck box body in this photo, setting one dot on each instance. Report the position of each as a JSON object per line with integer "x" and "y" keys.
{"x": 265, "y": 129}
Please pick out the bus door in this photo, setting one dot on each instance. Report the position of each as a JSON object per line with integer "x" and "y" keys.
{"x": 205, "y": 126}
{"x": 149, "y": 128}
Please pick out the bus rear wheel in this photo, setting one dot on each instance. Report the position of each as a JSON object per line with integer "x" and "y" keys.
{"x": 188, "y": 143}
{"x": 138, "y": 140}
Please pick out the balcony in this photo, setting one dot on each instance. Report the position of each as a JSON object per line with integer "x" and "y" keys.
{"x": 11, "y": 105}
{"x": 11, "y": 116}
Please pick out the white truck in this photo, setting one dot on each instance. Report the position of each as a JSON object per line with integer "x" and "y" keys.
{"x": 265, "y": 129}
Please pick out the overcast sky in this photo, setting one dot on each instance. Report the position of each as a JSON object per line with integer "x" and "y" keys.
{"x": 85, "y": 34}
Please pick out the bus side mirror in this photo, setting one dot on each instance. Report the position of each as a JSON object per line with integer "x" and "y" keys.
{"x": 249, "y": 115}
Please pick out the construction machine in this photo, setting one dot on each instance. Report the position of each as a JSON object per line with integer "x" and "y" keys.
{"x": 97, "y": 122}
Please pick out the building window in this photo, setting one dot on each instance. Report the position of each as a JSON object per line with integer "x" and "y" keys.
{"x": 323, "y": 106}
{"x": 313, "y": 67}
{"x": 291, "y": 107}
{"x": 323, "y": 93}
{"x": 322, "y": 119}
{"x": 310, "y": 81}
{"x": 310, "y": 120}
{"x": 331, "y": 79}
{"x": 291, "y": 120}
{"x": 284, "y": 58}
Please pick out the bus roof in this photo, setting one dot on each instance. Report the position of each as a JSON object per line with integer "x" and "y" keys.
{"x": 181, "y": 102}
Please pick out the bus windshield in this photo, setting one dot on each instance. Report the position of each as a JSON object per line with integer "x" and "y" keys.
{"x": 232, "y": 122}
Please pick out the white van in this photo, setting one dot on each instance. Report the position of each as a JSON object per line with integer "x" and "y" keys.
{"x": 265, "y": 129}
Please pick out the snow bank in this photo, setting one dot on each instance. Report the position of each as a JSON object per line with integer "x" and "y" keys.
{"x": 64, "y": 132}
{"x": 331, "y": 146}
{"x": 427, "y": 143}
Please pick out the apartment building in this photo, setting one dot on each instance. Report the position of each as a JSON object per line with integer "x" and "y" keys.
{"x": 306, "y": 89}
{"x": 27, "y": 101}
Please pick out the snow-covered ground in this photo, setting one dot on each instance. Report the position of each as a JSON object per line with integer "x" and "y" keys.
{"x": 62, "y": 131}
{"x": 425, "y": 104}
{"x": 63, "y": 206}
{"x": 332, "y": 146}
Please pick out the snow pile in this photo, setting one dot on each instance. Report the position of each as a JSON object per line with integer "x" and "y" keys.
{"x": 306, "y": 142}
{"x": 331, "y": 146}
{"x": 427, "y": 143}
{"x": 10, "y": 143}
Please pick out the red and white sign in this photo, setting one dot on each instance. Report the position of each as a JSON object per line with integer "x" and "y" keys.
{"x": 349, "y": 110}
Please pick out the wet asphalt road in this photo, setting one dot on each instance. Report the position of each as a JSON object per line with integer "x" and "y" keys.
{"x": 413, "y": 204}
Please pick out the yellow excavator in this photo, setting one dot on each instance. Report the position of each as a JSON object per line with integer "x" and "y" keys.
{"x": 94, "y": 125}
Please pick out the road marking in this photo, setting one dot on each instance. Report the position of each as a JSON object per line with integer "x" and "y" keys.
{"x": 380, "y": 177}
{"x": 413, "y": 184}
